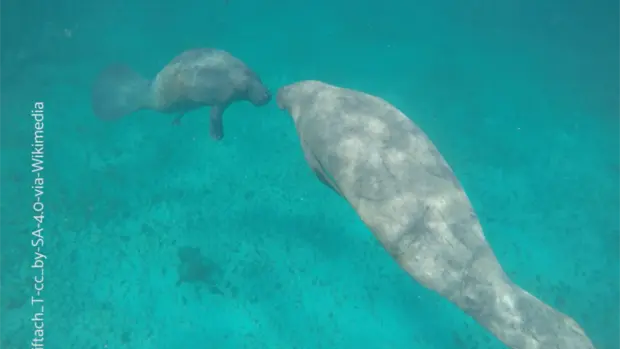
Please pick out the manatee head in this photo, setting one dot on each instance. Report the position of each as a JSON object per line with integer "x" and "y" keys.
{"x": 282, "y": 98}
{"x": 258, "y": 94}
{"x": 297, "y": 95}
{"x": 285, "y": 99}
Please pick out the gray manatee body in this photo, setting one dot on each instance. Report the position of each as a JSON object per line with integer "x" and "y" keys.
{"x": 399, "y": 184}
{"x": 194, "y": 79}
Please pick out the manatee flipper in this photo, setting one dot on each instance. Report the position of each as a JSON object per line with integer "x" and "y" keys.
{"x": 326, "y": 181}
{"x": 320, "y": 174}
{"x": 119, "y": 91}
{"x": 216, "y": 127}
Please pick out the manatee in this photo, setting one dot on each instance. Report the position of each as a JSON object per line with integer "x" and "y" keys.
{"x": 194, "y": 79}
{"x": 372, "y": 155}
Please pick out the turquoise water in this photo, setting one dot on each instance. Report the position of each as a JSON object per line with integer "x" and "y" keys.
{"x": 157, "y": 237}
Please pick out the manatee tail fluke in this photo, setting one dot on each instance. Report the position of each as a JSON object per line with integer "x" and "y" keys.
{"x": 520, "y": 320}
{"x": 119, "y": 91}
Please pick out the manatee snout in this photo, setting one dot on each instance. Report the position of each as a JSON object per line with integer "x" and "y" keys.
{"x": 281, "y": 97}
{"x": 259, "y": 94}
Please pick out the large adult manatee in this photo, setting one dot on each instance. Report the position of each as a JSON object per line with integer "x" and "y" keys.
{"x": 377, "y": 159}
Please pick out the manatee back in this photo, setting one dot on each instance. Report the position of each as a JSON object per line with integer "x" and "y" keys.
{"x": 201, "y": 77}
{"x": 395, "y": 179}
{"x": 369, "y": 145}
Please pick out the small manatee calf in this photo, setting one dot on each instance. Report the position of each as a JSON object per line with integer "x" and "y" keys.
{"x": 398, "y": 183}
{"x": 194, "y": 79}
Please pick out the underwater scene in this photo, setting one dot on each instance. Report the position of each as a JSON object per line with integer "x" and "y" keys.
{"x": 271, "y": 174}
